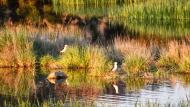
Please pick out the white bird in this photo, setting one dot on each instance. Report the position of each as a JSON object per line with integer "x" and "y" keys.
{"x": 114, "y": 67}
{"x": 64, "y": 49}
{"x": 116, "y": 89}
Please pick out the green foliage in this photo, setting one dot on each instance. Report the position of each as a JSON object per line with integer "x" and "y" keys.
{"x": 134, "y": 64}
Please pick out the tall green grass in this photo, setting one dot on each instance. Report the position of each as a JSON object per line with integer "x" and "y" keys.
{"x": 15, "y": 49}
{"x": 81, "y": 57}
{"x": 136, "y": 55}
{"x": 135, "y": 64}
{"x": 158, "y": 10}
{"x": 164, "y": 18}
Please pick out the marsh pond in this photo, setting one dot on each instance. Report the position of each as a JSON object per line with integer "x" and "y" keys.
{"x": 94, "y": 53}
{"x": 21, "y": 87}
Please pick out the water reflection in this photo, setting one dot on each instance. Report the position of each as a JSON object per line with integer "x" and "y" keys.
{"x": 115, "y": 88}
{"x": 23, "y": 84}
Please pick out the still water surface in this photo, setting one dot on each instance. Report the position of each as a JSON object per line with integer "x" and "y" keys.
{"x": 162, "y": 89}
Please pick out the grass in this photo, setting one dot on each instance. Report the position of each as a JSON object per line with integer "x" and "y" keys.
{"x": 166, "y": 18}
{"x": 80, "y": 86}
{"x": 15, "y": 49}
{"x": 80, "y": 57}
{"x": 182, "y": 103}
{"x": 48, "y": 61}
{"x": 135, "y": 64}
{"x": 48, "y": 103}
{"x": 137, "y": 55}
{"x": 175, "y": 57}
{"x": 20, "y": 48}
{"x": 185, "y": 64}
{"x": 153, "y": 9}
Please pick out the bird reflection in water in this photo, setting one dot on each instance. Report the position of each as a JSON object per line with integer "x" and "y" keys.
{"x": 115, "y": 88}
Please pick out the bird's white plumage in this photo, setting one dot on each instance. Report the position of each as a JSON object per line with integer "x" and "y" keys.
{"x": 114, "y": 67}
{"x": 64, "y": 49}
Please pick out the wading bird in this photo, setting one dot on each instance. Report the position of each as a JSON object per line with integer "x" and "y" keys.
{"x": 64, "y": 49}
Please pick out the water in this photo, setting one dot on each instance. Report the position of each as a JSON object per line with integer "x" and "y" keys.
{"x": 161, "y": 94}
{"x": 21, "y": 84}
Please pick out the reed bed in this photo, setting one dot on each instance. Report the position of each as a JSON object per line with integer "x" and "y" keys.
{"x": 80, "y": 57}
{"x": 164, "y": 18}
{"x": 175, "y": 57}
{"x": 139, "y": 57}
{"x": 156, "y": 10}
{"x": 15, "y": 49}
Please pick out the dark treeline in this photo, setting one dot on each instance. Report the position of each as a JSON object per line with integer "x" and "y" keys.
{"x": 32, "y": 10}
{"x": 25, "y": 10}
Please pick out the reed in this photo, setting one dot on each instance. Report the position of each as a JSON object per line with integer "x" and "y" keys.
{"x": 15, "y": 49}
{"x": 175, "y": 57}
{"x": 165, "y": 18}
{"x": 86, "y": 57}
{"x": 136, "y": 55}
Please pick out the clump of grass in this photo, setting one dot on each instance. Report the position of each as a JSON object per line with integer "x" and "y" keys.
{"x": 135, "y": 64}
{"x": 75, "y": 57}
{"x": 174, "y": 56}
{"x": 168, "y": 63}
{"x": 15, "y": 49}
{"x": 185, "y": 64}
{"x": 48, "y": 61}
{"x": 136, "y": 55}
{"x": 90, "y": 57}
